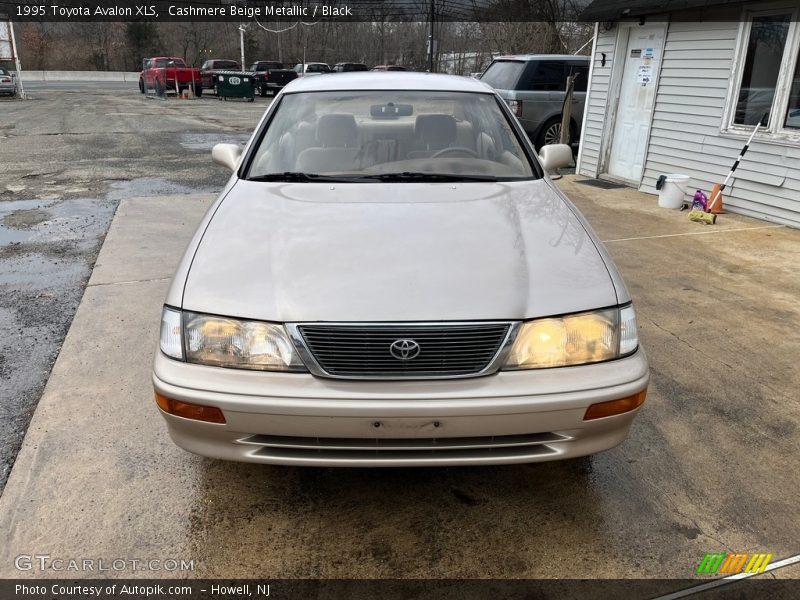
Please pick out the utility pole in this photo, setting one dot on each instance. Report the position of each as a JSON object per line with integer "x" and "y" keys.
{"x": 242, "y": 29}
{"x": 430, "y": 37}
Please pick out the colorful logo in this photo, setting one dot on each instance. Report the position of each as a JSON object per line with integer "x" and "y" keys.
{"x": 732, "y": 563}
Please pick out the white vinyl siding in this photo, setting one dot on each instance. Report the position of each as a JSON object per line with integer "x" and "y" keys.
{"x": 596, "y": 101}
{"x": 685, "y": 135}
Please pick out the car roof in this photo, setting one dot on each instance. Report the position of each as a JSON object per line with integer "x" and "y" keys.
{"x": 388, "y": 80}
{"x": 565, "y": 57}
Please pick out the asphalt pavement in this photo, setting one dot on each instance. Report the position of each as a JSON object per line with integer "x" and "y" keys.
{"x": 68, "y": 155}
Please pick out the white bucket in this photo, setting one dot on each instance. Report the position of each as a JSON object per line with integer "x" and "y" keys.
{"x": 673, "y": 191}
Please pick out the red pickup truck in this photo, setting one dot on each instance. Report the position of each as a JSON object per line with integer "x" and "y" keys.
{"x": 166, "y": 74}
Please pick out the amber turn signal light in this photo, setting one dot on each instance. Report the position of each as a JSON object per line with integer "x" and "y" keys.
{"x": 198, "y": 412}
{"x": 615, "y": 407}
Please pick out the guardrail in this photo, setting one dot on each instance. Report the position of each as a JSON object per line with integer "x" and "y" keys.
{"x": 132, "y": 76}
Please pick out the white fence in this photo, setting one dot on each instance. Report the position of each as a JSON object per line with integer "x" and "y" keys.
{"x": 79, "y": 76}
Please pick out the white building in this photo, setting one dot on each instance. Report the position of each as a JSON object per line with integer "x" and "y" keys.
{"x": 680, "y": 91}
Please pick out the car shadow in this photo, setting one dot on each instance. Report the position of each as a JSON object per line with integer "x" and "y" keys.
{"x": 402, "y": 522}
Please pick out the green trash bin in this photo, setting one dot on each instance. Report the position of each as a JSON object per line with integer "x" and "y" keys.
{"x": 235, "y": 84}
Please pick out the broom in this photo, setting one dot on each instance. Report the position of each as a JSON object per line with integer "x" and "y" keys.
{"x": 708, "y": 217}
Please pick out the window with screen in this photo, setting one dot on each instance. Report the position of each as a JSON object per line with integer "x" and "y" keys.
{"x": 762, "y": 63}
{"x": 767, "y": 83}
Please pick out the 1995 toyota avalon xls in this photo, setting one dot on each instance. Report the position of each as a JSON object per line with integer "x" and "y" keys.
{"x": 390, "y": 279}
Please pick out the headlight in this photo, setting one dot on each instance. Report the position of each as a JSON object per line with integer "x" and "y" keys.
{"x": 574, "y": 339}
{"x": 235, "y": 343}
{"x": 171, "y": 341}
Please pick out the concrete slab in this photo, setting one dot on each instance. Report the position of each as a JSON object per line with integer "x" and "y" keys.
{"x": 147, "y": 237}
{"x": 704, "y": 468}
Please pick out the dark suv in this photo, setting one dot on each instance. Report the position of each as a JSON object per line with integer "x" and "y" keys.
{"x": 348, "y": 67}
{"x": 534, "y": 85}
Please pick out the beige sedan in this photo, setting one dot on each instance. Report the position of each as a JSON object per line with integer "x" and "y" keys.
{"x": 390, "y": 278}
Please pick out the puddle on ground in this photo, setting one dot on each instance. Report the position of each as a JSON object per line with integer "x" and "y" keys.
{"x": 35, "y": 272}
{"x": 50, "y": 221}
{"x": 202, "y": 142}
{"x": 25, "y": 219}
{"x": 145, "y": 187}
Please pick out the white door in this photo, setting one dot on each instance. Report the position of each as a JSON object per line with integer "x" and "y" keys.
{"x": 636, "y": 98}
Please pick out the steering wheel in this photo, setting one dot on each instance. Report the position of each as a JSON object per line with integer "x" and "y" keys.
{"x": 456, "y": 150}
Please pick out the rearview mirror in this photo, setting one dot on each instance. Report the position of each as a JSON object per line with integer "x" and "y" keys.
{"x": 390, "y": 110}
{"x": 226, "y": 155}
{"x": 555, "y": 156}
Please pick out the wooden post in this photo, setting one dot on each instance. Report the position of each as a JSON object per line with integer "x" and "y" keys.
{"x": 566, "y": 114}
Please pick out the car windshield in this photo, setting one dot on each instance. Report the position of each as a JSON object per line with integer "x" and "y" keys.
{"x": 389, "y": 136}
{"x": 226, "y": 64}
{"x": 3, "y": 71}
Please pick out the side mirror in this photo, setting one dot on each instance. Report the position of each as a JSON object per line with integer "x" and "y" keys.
{"x": 555, "y": 156}
{"x": 226, "y": 155}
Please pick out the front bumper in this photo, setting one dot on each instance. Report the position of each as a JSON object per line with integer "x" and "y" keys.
{"x": 299, "y": 419}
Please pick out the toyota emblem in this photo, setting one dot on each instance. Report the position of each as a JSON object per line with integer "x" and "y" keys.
{"x": 404, "y": 349}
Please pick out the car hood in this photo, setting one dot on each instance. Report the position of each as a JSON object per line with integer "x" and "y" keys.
{"x": 396, "y": 252}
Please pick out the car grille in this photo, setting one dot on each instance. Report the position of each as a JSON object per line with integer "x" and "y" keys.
{"x": 445, "y": 350}
{"x": 377, "y": 451}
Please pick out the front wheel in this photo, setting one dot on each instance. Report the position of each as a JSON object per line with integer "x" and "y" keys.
{"x": 141, "y": 86}
{"x": 550, "y": 133}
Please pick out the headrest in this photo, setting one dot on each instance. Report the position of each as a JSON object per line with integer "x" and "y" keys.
{"x": 337, "y": 131}
{"x": 439, "y": 130}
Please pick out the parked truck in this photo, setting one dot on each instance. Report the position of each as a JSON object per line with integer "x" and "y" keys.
{"x": 271, "y": 76}
{"x": 210, "y": 68}
{"x": 165, "y": 74}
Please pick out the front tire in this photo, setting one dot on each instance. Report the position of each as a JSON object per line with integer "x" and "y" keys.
{"x": 550, "y": 133}
{"x": 141, "y": 86}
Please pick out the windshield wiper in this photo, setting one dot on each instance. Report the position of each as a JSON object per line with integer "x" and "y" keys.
{"x": 296, "y": 176}
{"x": 421, "y": 176}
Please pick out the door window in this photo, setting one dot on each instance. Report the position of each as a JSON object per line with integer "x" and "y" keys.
{"x": 547, "y": 77}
